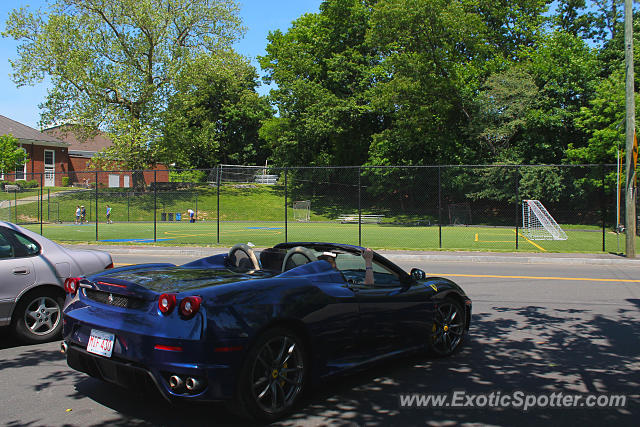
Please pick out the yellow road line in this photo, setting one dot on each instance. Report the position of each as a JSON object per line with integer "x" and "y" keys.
{"x": 494, "y": 276}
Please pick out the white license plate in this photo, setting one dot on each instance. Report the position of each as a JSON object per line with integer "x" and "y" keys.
{"x": 100, "y": 343}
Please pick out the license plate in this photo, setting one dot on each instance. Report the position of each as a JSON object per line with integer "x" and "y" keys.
{"x": 101, "y": 343}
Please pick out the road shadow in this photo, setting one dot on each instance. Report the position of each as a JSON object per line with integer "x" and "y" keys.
{"x": 530, "y": 348}
{"x": 7, "y": 339}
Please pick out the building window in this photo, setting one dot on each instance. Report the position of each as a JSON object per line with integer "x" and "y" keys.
{"x": 1, "y": 174}
{"x": 22, "y": 174}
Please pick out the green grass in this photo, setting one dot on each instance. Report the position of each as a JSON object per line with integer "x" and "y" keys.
{"x": 29, "y": 192}
{"x": 376, "y": 236}
{"x": 256, "y": 213}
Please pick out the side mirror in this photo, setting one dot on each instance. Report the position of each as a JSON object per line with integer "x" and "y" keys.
{"x": 418, "y": 274}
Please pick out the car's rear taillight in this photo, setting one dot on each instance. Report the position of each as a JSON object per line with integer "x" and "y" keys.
{"x": 109, "y": 266}
{"x": 189, "y": 306}
{"x": 71, "y": 285}
{"x": 166, "y": 303}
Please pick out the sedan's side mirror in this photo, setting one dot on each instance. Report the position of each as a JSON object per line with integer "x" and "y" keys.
{"x": 418, "y": 274}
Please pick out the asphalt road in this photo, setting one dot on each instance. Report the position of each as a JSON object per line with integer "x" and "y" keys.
{"x": 536, "y": 328}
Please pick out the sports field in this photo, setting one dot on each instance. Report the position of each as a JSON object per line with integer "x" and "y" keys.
{"x": 373, "y": 235}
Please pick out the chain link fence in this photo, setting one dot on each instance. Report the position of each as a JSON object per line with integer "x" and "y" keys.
{"x": 415, "y": 208}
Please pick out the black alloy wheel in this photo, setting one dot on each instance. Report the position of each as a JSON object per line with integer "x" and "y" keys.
{"x": 274, "y": 375}
{"x": 448, "y": 329}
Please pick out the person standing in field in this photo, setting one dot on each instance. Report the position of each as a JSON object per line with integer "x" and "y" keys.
{"x": 78, "y": 212}
{"x": 83, "y": 215}
{"x": 109, "y": 215}
{"x": 192, "y": 215}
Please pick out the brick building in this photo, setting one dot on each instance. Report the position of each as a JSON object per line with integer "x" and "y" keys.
{"x": 56, "y": 153}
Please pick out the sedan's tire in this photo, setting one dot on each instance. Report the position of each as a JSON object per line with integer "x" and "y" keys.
{"x": 38, "y": 316}
{"x": 448, "y": 328}
{"x": 273, "y": 376}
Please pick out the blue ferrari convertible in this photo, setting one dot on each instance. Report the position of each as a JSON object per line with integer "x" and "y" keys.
{"x": 256, "y": 329}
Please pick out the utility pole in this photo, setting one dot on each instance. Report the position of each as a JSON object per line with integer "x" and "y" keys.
{"x": 630, "y": 119}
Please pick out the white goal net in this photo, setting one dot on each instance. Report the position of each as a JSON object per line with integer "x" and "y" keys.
{"x": 538, "y": 224}
{"x": 302, "y": 210}
{"x": 459, "y": 214}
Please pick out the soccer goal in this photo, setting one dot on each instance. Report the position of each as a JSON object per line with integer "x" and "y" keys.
{"x": 459, "y": 214}
{"x": 538, "y": 224}
{"x": 302, "y": 210}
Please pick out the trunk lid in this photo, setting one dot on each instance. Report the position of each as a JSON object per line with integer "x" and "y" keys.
{"x": 163, "y": 279}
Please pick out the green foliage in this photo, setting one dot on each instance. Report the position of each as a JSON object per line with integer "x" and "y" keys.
{"x": 11, "y": 156}
{"x": 29, "y": 184}
{"x": 322, "y": 67}
{"x": 65, "y": 181}
{"x": 114, "y": 63}
{"x": 194, "y": 176}
{"x": 215, "y": 115}
{"x": 603, "y": 120}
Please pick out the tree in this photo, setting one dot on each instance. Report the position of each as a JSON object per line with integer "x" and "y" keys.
{"x": 113, "y": 63}
{"x": 322, "y": 67}
{"x": 572, "y": 16}
{"x": 603, "y": 121}
{"x": 215, "y": 115}
{"x": 427, "y": 79}
{"x": 503, "y": 112}
{"x": 11, "y": 156}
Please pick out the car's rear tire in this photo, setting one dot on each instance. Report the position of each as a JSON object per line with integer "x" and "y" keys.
{"x": 448, "y": 328}
{"x": 273, "y": 376}
{"x": 38, "y": 316}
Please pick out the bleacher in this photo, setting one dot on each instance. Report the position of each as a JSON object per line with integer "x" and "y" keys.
{"x": 366, "y": 219}
{"x": 266, "y": 179}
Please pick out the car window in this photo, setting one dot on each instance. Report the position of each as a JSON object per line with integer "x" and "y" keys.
{"x": 383, "y": 277}
{"x": 353, "y": 268}
{"x": 26, "y": 246}
{"x": 6, "y": 250}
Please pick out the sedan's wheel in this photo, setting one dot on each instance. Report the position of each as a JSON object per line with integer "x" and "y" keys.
{"x": 448, "y": 329}
{"x": 273, "y": 376}
{"x": 38, "y": 317}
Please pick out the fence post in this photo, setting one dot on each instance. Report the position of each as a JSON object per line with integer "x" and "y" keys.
{"x": 128, "y": 196}
{"x": 603, "y": 208}
{"x": 196, "y": 204}
{"x": 155, "y": 204}
{"x": 96, "y": 181}
{"x": 286, "y": 195}
{"x": 359, "y": 206}
{"x": 48, "y": 205}
{"x": 15, "y": 206}
{"x": 517, "y": 181}
{"x": 219, "y": 177}
{"x": 440, "y": 205}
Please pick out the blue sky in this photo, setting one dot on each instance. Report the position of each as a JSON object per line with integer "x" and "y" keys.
{"x": 259, "y": 16}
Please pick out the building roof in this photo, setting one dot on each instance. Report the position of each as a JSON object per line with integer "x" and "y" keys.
{"x": 25, "y": 133}
{"x": 77, "y": 145}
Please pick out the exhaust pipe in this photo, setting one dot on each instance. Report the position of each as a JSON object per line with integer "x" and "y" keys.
{"x": 193, "y": 384}
{"x": 63, "y": 347}
{"x": 176, "y": 383}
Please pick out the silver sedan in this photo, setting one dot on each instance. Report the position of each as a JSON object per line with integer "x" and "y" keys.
{"x": 32, "y": 274}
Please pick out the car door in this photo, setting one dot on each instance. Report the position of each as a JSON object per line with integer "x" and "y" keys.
{"x": 393, "y": 313}
{"x": 336, "y": 326}
{"x": 16, "y": 271}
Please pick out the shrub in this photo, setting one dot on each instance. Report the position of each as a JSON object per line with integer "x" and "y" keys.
{"x": 30, "y": 184}
{"x": 195, "y": 176}
{"x": 65, "y": 181}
